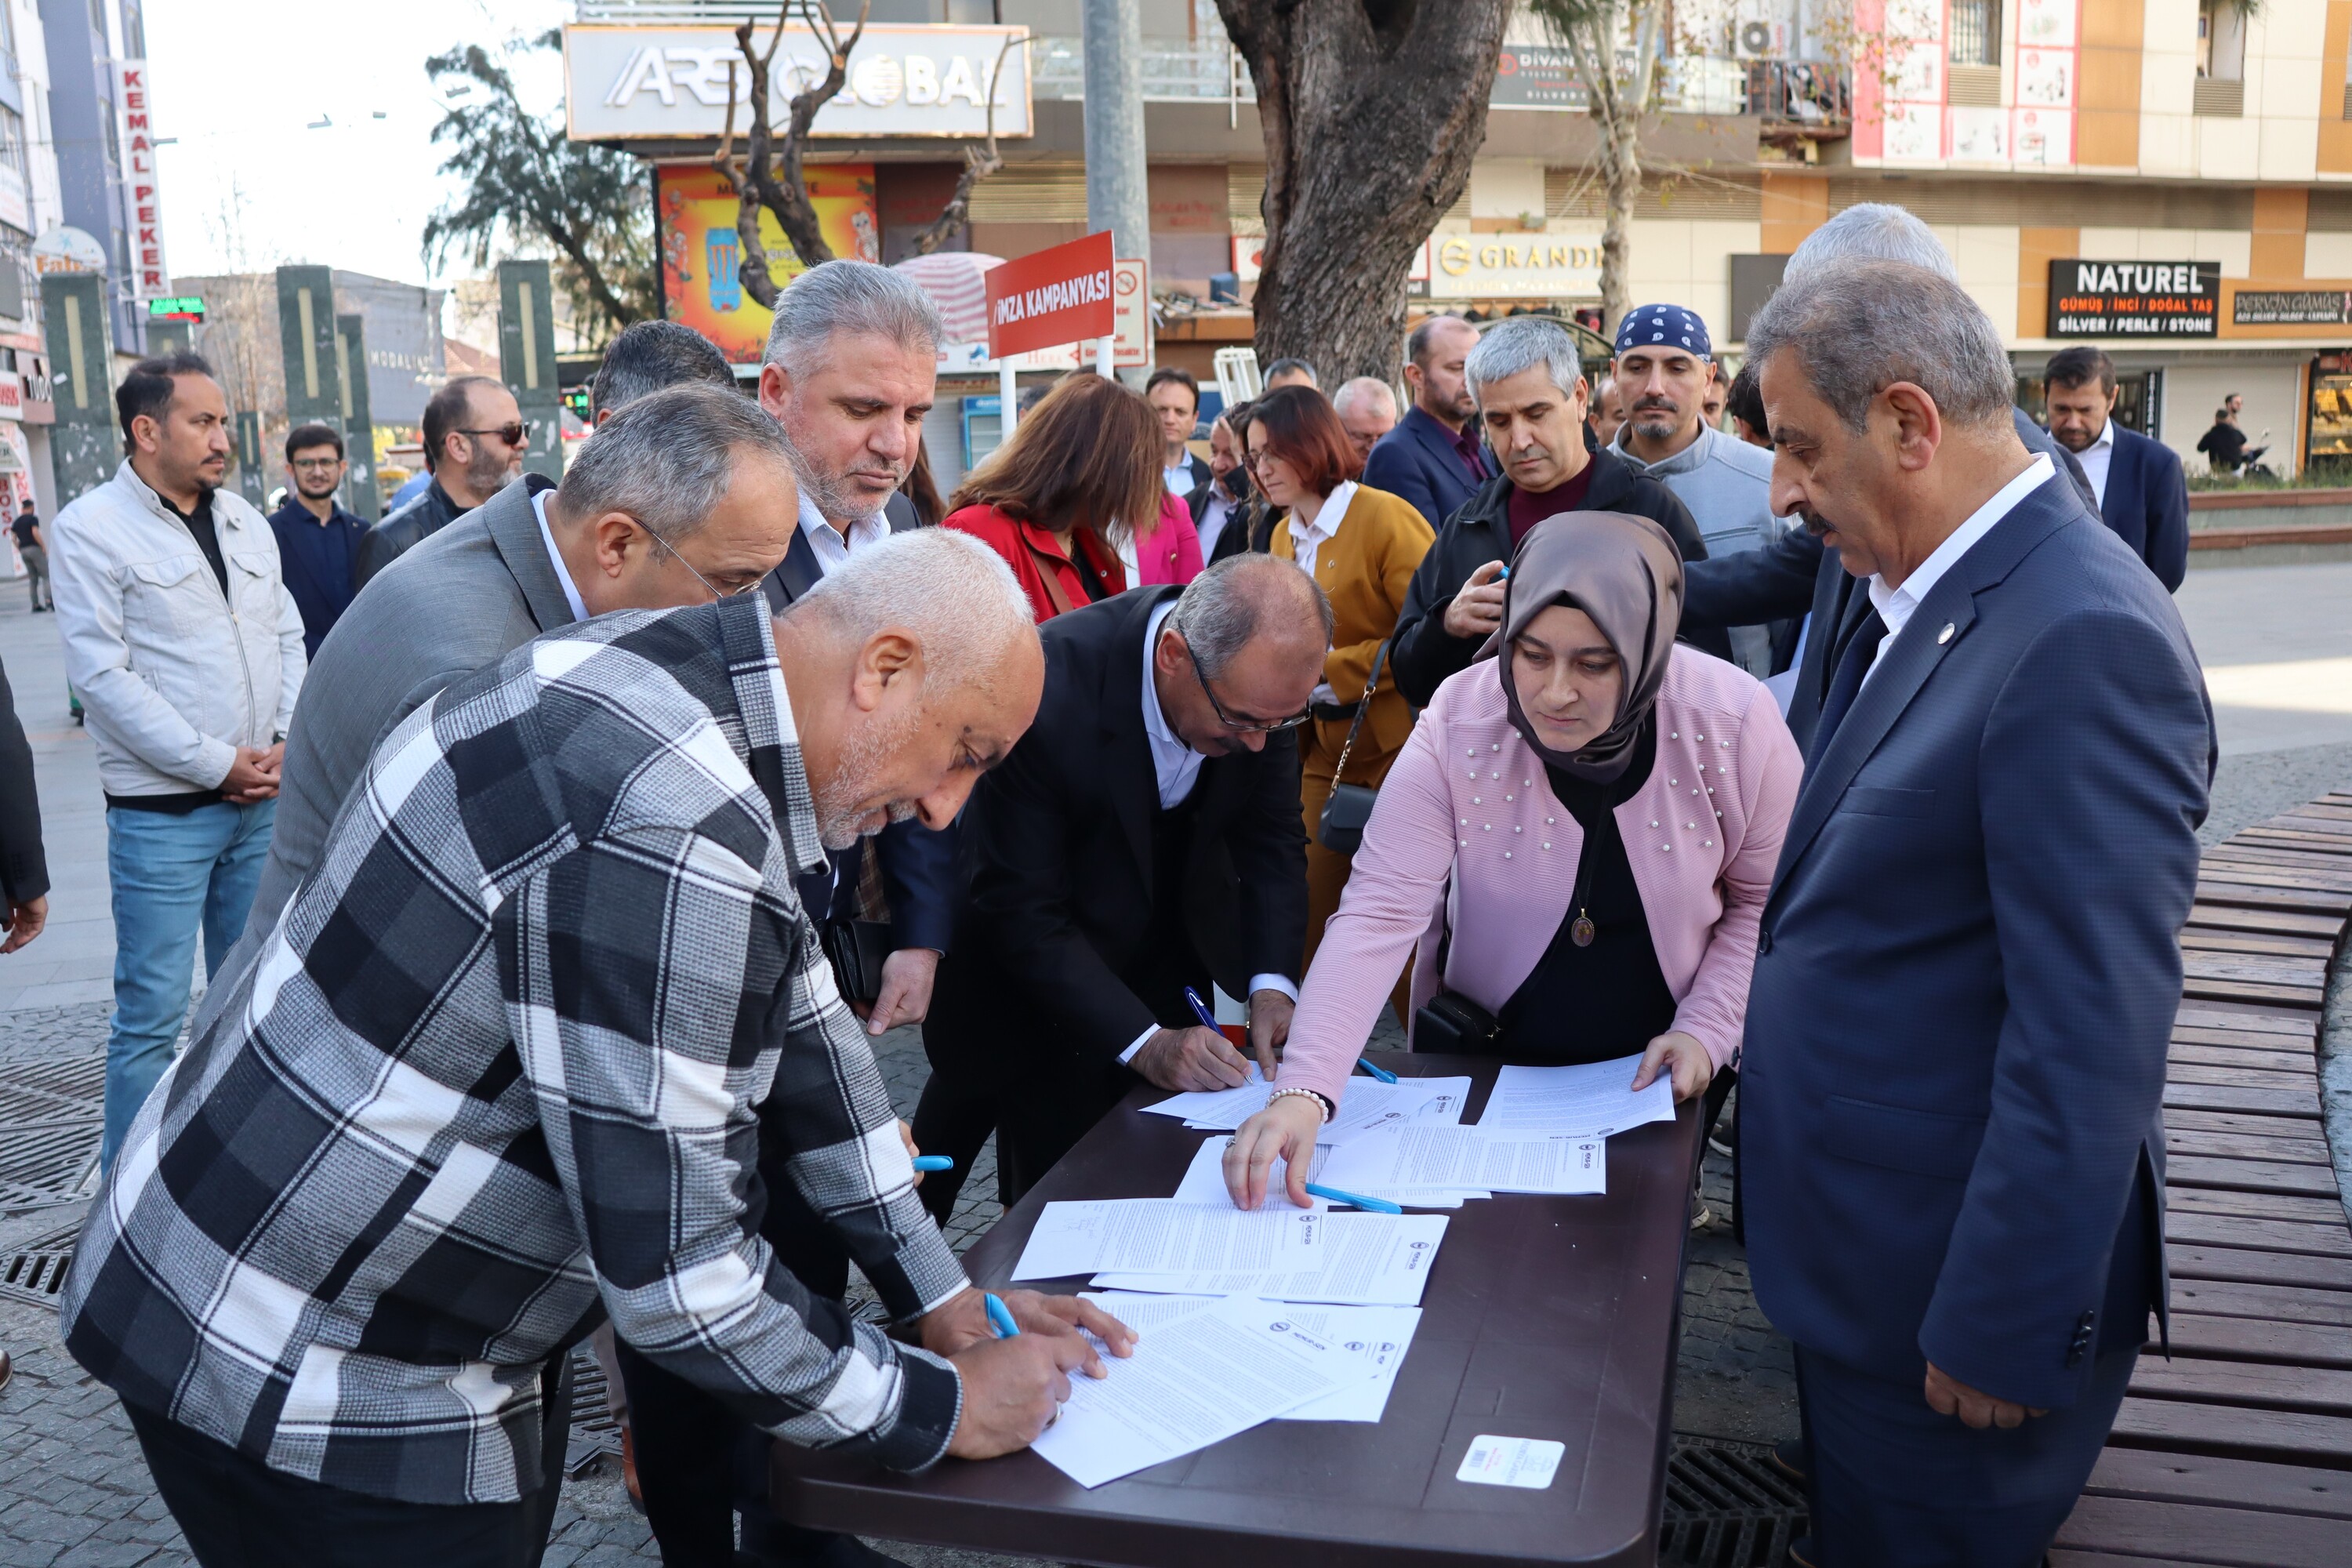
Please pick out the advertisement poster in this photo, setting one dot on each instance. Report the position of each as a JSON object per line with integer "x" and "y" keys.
{"x": 702, "y": 255}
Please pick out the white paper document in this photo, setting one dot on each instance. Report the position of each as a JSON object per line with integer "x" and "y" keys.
{"x": 1529, "y": 1462}
{"x": 1362, "y": 1260}
{"x": 1158, "y": 1235}
{"x": 1368, "y": 1103}
{"x": 1415, "y": 1155}
{"x": 1205, "y": 1183}
{"x": 1194, "y": 1380}
{"x": 1376, "y": 1336}
{"x": 1588, "y": 1101}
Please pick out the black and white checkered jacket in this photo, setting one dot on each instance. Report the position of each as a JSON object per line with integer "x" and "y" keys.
{"x": 502, "y": 1069}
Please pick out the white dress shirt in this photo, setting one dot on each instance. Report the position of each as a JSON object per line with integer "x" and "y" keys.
{"x": 1309, "y": 537}
{"x": 831, "y": 546}
{"x": 2095, "y": 458}
{"x": 1178, "y": 476}
{"x": 1897, "y": 605}
{"x": 1213, "y": 518}
{"x": 562, "y": 572}
{"x": 1177, "y": 768}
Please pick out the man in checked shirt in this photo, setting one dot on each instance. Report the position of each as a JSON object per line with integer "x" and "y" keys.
{"x": 505, "y": 1066}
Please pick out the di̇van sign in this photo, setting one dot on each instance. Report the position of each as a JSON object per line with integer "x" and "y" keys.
{"x": 2135, "y": 299}
{"x": 630, "y": 83}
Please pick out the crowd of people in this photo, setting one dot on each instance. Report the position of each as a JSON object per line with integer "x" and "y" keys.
{"x": 557, "y": 848}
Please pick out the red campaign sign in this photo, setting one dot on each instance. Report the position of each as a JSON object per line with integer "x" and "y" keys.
{"x": 1051, "y": 298}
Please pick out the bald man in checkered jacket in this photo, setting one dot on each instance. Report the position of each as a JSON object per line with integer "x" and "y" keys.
{"x": 507, "y": 1066}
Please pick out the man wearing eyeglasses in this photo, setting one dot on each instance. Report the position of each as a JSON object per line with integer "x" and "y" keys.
{"x": 318, "y": 540}
{"x": 1143, "y": 838}
{"x": 709, "y": 498}
{"x": 475, "y": 436}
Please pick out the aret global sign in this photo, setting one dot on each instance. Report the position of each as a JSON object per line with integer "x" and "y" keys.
{"x": 2135, "y": 299}
{"x": 673, "y": 83}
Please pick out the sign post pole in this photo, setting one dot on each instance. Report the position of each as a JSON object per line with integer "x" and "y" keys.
{"x": 1106, "y": 350}
{"x": 1007, "y": 393}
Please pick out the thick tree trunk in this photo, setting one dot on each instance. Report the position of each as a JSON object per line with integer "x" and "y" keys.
{"x": 1371, "y": 111}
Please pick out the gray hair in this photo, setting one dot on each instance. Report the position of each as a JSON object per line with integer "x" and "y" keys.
{"x": 1873, "y": 231}
{"x": 651, "y": 355}
{"x": 1224, "y": 609}
{"x": 1522, "y": 343}
{"x": 853, "y": 297}
{"x": 1858, "y": 327}
{"x": 954, "y": 593}
{"x": 668, "y": 458}
{"x": 1364, "y": 389}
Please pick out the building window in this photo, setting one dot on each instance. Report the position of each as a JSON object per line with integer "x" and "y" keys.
{"x": 12, "y": 142}
{"x": 1976, "y": 32}
{"x": 2221, "y": 89}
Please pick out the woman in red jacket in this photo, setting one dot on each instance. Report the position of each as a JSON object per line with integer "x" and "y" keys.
{"x": 1058, "y": 500}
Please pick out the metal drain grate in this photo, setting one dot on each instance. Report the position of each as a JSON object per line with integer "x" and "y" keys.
{"x": 52, "y": 1163}
{"x": 35, "y": 1271}
{"x": 56, "y": 1089}
{"x": 594, "y": 1433}
{"x": 1727, "y": 1505}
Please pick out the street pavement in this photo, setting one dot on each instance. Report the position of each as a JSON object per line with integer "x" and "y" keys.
{"x": 2277, "y": 643}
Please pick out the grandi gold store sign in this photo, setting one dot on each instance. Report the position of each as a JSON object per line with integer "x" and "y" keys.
{"x": 1515, "y": 266}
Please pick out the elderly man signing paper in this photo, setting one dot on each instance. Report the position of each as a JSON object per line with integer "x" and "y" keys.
{"x": 507, "y": 1066}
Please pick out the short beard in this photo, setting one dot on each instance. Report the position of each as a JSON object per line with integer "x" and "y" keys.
{"x": 487, "y": 473}
{"x": 1656, "y": 423}
{"x": 831, "y": 498}
{"x": 841, "y": 814}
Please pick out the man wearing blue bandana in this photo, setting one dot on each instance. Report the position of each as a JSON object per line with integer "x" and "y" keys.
{"x": 1664, "y": 361}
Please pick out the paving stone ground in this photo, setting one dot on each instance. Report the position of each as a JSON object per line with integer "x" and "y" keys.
{"x": 74, "y": 1492}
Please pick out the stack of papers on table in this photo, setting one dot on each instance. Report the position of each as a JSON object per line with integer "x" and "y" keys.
{"x": 1413, "y": 1157}
{"x": 1356, "y": 1260}
{"x": 1205, "y": 1183}
{"x": 1376, "y": 1336}
{"x": 1368, "y": 1103}
{"x": 1202, "y": 1372}
{"x": 1588, "y": 1101}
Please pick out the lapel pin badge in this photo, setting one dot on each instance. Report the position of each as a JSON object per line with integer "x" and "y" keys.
{"x": 1946, "y": 635}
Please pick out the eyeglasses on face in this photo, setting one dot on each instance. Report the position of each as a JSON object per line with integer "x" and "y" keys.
{"x": 317, "y": 465}
{"x": 715, "y": 591}
{"x": 1241, "y": 726}
{"x": 514, "y": 433}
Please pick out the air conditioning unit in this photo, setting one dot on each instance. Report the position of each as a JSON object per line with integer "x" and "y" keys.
{"x": 1756, "y": 39}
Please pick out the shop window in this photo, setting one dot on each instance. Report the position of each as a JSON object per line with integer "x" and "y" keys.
{"x": 2138, "y": 396}
{"x": 2220, "y": 58}
{"x": 1976, "y": 32}
{"x": 2331, "y": 414}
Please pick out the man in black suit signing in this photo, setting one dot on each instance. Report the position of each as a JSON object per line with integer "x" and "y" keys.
{"x": 1143, "y": 837}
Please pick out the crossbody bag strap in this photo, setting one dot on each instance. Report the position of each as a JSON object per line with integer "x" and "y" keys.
{"x": 1363, "y": 705}
{"x": 1047, "y": 567}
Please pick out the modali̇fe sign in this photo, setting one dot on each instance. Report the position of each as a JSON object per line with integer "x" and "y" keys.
{"x": 2135, "y": 299}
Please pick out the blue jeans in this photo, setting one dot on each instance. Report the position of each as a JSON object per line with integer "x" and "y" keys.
{"x": 171, "y": 875}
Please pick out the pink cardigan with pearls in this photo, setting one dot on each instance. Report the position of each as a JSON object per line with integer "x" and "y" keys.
{"x": 1467, "y": 829}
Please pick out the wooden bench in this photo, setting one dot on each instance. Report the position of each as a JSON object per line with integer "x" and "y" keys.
{"x": 2238, "y": 1449}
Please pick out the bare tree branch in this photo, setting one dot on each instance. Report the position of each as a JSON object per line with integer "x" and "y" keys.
{"x": 979, "y": 164}
{"x": 772, "y": 178}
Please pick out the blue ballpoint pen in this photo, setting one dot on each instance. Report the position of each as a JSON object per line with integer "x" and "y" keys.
{"x": 1000, "y": 1316}
{"x": 1200, "y": 1008}
{"x": 1369, "y": 1205}
{"x": 933, "y": 1163}
{"x": 1378, "y": 1071}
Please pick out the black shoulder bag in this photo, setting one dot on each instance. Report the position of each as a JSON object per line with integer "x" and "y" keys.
{"x": 1341, "y": 827}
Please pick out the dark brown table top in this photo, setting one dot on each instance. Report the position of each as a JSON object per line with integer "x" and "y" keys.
{"x": 1543, "y": 1317}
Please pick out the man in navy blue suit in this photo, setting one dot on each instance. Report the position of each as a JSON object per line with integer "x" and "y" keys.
{"x": 1433, "y": 457}
{"x": 2143, "y": 494}
{"x": 1969, "y": 964}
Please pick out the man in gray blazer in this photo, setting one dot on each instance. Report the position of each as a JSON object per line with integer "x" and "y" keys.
{"x": 523, "y": 563}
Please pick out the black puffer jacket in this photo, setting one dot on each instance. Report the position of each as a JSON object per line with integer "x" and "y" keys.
{"x": 412, "y": 524}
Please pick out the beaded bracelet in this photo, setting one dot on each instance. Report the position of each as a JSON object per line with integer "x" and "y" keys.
{"x": 1327, "y": 1108}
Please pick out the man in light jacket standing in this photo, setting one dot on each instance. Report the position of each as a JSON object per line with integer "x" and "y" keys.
{"x": 1663, "y": 367}
{"x": 186, "y": 650}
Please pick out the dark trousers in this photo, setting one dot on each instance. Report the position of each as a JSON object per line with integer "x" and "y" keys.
{"x": 700, "y": 1464}
{"x": 1894, "y": 1485}
{"x": 953, "y": 1118}
{"x": 237, "y": 1512}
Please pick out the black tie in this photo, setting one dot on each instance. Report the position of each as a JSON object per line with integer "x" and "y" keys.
{"x": 1843, "y": 685}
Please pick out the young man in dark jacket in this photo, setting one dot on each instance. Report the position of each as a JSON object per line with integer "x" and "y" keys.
{"x": 1531, "y": 399}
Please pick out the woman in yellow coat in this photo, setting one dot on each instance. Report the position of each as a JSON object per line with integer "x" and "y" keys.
{"x": 1361, "y": 545}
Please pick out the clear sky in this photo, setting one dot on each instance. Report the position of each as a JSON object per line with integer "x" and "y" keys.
{"x": 249, "y": 185}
